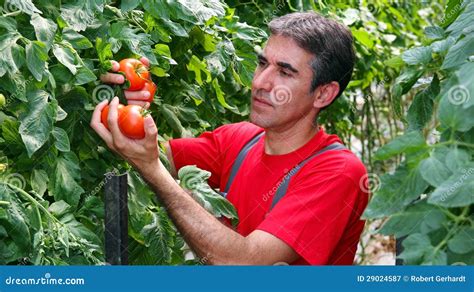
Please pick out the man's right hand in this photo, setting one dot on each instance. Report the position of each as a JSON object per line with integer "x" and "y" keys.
{"x": 133, "y": 97}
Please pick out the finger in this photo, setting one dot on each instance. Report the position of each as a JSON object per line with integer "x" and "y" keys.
{"x": 97, "y": 125}
{"x": 151, "y": 132}
{"x": 112, "y": 78}
{"x": 146, "y": 105}
{"x": 112, "y": 120}
{"x": 115, "y": 66}
{"x": 137, "y": 102}
{"x": 137, "y": 95}
{"x": 145, "y": 61}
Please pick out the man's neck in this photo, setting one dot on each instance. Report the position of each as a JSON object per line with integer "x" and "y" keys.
{"x": 286, "y": 140}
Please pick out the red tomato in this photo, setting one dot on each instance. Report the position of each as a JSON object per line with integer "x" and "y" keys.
{"x": 150, "y": 86}
{"x": 130, "y": 120}
{"x": 105, "y": 114}
{"x": 135, "y": 72}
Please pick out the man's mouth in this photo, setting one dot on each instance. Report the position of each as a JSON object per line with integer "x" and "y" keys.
{"x": 261, "y": 101}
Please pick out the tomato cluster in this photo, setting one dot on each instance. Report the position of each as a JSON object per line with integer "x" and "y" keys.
{"x": 130, "y": 117}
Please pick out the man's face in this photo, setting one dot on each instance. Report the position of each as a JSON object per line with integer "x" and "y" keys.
{"x": 281, "y": 85}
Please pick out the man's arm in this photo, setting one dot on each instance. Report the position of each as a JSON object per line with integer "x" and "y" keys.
{"x": 208, "y": 237}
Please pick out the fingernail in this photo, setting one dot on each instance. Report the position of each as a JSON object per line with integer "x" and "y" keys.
{"x": 119, "y": 79}
{"x": 146, "y": 94}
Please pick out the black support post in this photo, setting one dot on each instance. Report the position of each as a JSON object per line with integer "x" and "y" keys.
{"x": 116, "y": 219}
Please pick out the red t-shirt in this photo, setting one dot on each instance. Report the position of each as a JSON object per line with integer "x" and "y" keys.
{"x": 319, "y": 217}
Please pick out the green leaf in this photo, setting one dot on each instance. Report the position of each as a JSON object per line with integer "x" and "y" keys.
{"x": 66, "y": 56}
{"x": 434, "y": 32}
{"x": 7, "y": 45}
{"x": 220, "y": 95}
{"x": 194, "y": 179}
{"x": 434, "y": 171}
{"x": 37, "y": 122}
{"x": 25, "y": 6}
{"x": 443, "y": 45}
{"x": 84, "y": 75}
{"x": 419, "y": 55}
{"x": 362, "y": 36}
{"x": 59, "y": 208}
{"x": 15, "y": 219}
{"x": 402, "y": 85}
{"x": 80, "y": 14}
{"x": 78, "y": 41}
{"x": 452, "y": 11}
{"x": 128, "y": 5}
{"x": 171, "y": 118}
{"x": 39, "y": 181}
{"x": 459, "y": 53}
{"x": 78, "y": 229}
{"x": 417, "y": 250}
{"x": 45, "y": 30}
{"x": 407, "y": 143}
{"x": 195, "y": 65}
{"x": 457, "y": 158}
{"x": 36, "y": 57}
{"x": 396, "y": 191}
{"x": 456, "y": 191}
{"x": 464, "y": 21}
{"x": 62, "y": 140}
{"x": 64, "y": 182}
{"x": 104, "y": 50}
{"x": 421, "y": 109}
{"x": 415, "y": 247}
{"x": 451, "y": 112}
{"x": 462, "y": 242}
{"x": 418, "y": 218}
{"x": 394, "y": 62}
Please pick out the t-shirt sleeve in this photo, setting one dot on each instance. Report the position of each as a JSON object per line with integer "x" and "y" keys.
{"x": 312, "y": 216}
{"x": 206, "y": 151}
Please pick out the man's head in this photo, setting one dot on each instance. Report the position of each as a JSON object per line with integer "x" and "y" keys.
{"x": 306, "y": 64}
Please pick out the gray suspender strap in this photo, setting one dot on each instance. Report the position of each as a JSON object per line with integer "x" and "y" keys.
{"x": 283, "y": 187}
{"x": 238, "y": 162}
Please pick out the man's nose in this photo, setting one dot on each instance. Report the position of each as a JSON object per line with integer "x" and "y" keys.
{"x": 263, "y": 79}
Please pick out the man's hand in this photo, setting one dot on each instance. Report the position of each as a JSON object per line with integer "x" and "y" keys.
{"x": 133, "y": 97}
{"x": 142, "y": 154}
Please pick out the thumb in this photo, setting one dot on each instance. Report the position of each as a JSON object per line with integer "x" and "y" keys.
{"x": 150, "y": 128}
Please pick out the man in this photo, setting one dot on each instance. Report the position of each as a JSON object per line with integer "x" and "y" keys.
{"x": 306, "y": 63}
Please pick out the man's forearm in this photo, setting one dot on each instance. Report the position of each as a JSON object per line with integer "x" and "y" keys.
{"x": 208, "y": 237}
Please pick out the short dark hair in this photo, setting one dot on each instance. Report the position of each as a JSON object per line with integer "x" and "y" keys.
{"x": 328, "y": 40}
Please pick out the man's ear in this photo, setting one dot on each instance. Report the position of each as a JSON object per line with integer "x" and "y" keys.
{"x": 325, "y": 94}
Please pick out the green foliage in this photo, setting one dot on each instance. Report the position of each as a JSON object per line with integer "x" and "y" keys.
{"x": 433, "y": 203}
{"x": 53, "y": 164}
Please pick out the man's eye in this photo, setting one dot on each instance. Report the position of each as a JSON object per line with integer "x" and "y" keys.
{"x": 261, "y": 63}
{"x": 284, "y": 73}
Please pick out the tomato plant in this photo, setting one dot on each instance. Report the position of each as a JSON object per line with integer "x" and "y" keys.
{"x": 52, "y": 164}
